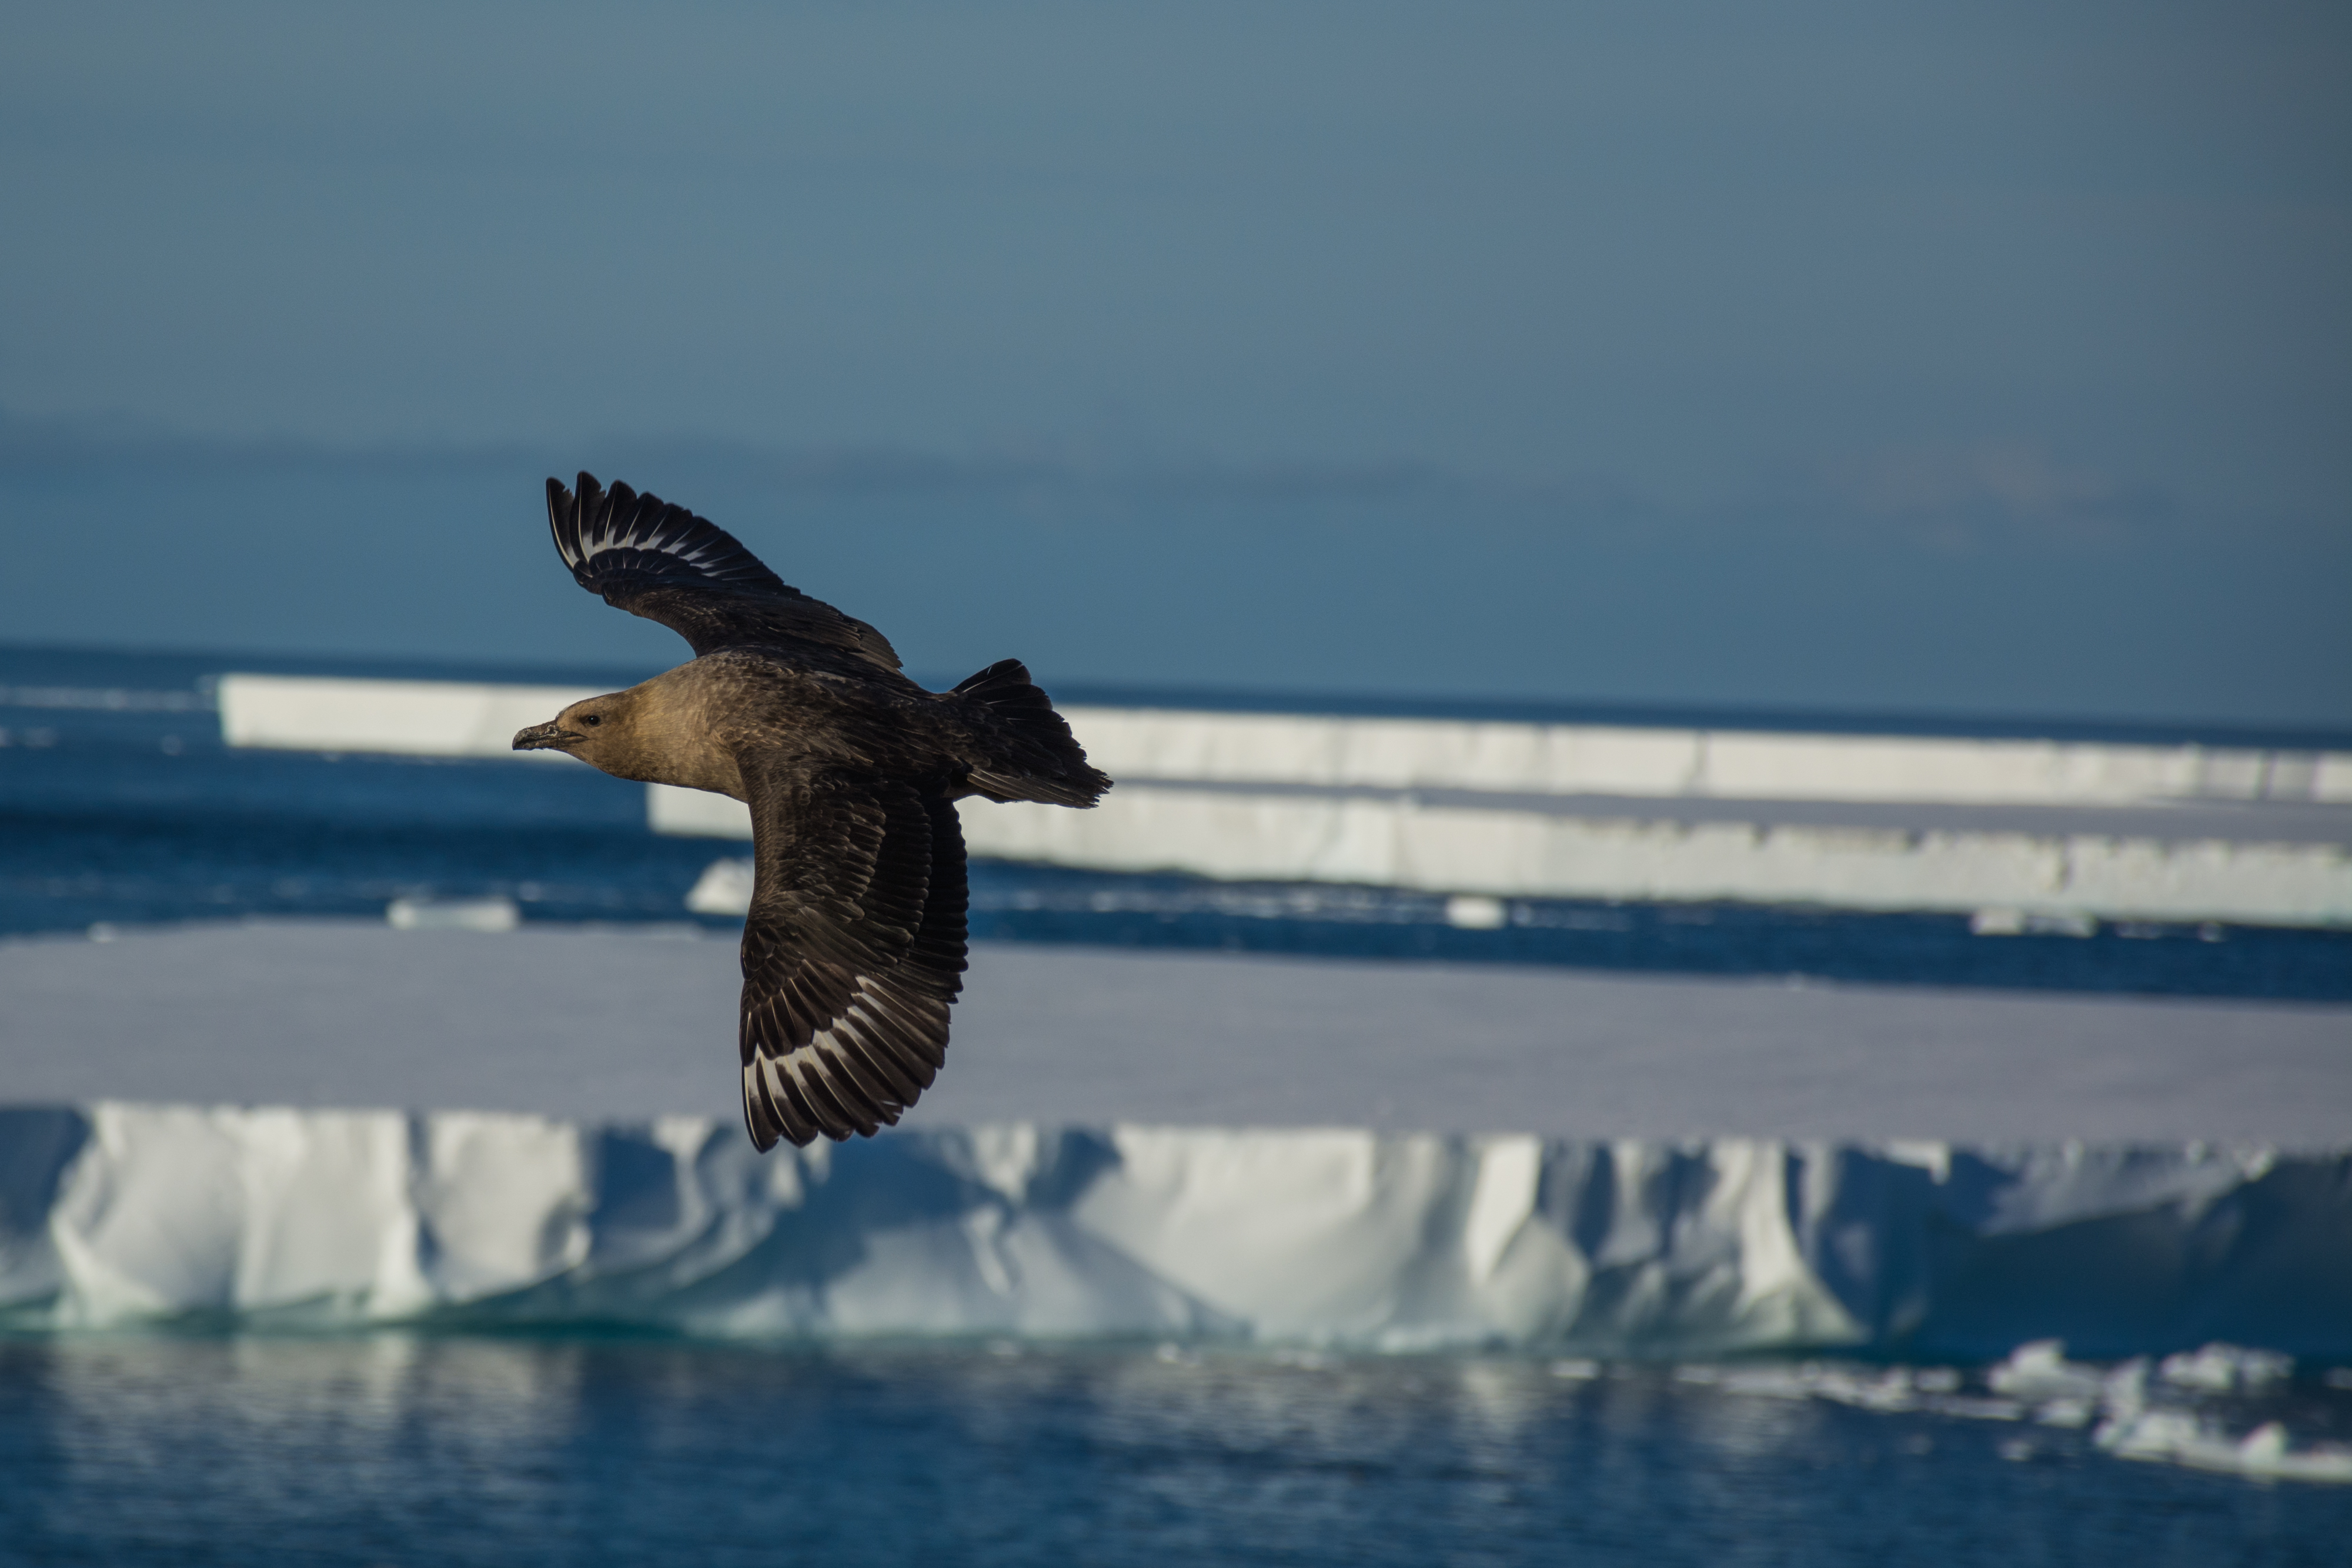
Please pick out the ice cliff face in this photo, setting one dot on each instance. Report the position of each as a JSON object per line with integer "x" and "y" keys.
{"x": 117, "y": 1213}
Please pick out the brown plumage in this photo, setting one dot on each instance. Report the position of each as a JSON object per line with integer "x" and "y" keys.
{"x": 855, "y": 946}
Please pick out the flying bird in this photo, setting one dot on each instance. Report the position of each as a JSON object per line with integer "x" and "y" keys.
{"x": 854, "y": 947}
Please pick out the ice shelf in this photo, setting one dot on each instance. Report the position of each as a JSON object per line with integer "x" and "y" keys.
{"x": 1538, "y": 854}
{"x": 115, "y": 1213}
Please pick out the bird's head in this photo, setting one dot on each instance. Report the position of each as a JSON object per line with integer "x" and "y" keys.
{"x": 595, "y": 729}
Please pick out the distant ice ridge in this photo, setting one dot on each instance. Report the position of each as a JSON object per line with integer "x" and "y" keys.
{"x": 1501, "y": 853}
{"x": 115, "y": 1213}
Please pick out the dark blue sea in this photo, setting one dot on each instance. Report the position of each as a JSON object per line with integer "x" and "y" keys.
{"x": 119, "y": 805}
{"x": 386, "y": 1450}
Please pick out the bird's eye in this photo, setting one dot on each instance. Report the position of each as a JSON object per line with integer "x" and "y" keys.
{"x": 591, "y": 719}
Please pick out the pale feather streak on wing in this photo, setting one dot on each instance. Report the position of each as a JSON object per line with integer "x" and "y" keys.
{"x": 853, "y": 952}
{"x": 603, "y": 533}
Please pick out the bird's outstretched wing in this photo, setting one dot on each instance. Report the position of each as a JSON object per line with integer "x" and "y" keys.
{"x": 652, "y": 559}
{"x": 854, "y": 948}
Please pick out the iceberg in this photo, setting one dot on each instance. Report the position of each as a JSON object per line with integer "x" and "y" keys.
{"x": 112, "y": 1214}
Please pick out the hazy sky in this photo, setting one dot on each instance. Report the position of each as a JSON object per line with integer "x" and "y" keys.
{"x": 1973, "y": 358}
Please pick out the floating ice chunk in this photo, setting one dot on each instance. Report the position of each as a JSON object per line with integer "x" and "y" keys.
{"x": 452, "y": 914}
{"x": 1760, "y": 1381}
{"x": 2031, "y": 923}
{"x": 2040, "y": 1371}
{"x": 1889, "y": 1391}
{"x": 2125, "y": 1390}
{"x": 1969, "y": 1409}
{"x": 724, "y": 888}
{"x": 2069, "y": 924}
{"x": 2225, "y": 1369}
{"x": 1475, "y": 912}
{"x": 2177, "y": 1436}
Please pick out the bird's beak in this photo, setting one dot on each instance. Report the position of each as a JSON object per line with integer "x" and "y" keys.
{"x": 548, "y": 736}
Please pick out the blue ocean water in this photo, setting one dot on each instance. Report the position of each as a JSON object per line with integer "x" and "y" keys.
{"x": 399, "y": 1449}
{"x": 119, "y": 804}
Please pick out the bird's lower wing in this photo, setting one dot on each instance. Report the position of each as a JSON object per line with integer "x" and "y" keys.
{"x": 853, "y": 951}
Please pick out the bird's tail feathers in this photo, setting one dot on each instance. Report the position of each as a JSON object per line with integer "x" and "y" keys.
{"x": 1058, "y": 773}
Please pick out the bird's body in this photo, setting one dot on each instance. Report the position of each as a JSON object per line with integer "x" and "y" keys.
{"x": 854, "y": 944}
{"x": 691, "y": 725}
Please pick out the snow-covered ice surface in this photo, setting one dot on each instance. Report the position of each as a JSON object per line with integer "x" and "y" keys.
{"x": 628, "y": 1023}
